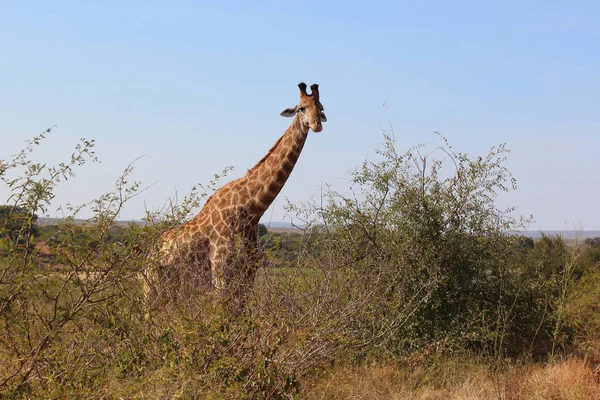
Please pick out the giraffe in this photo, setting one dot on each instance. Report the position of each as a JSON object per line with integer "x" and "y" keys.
{"x": 220, "y": 244}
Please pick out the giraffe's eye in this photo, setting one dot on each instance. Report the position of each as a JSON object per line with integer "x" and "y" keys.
{"x": 301, "y": 109}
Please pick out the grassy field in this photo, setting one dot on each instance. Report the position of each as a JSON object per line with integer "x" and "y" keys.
{"x": 302, "y": 335}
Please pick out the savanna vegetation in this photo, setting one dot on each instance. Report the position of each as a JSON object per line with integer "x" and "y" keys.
{"x": 411, "y": 283}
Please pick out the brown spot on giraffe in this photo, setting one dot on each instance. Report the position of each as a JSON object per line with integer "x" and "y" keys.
{"x": 220, "y": 243}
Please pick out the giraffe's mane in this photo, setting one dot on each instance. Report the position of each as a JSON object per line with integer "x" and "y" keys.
{"x": 262, "y": 160}
{"x": 209, "y": 199}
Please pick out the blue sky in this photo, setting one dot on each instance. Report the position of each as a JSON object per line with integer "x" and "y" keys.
{"x": 197, "y": 86}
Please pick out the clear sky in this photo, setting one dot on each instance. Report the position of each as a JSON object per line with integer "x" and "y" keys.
{"x": 197, "y": 86}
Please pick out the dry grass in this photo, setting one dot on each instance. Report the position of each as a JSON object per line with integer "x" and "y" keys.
{"x": 572, "y": 379}
{"x": 569, "y": 380}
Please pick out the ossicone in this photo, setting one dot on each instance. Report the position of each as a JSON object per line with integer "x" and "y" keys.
{"x": 314, "y": 91}
{"x": 302, "y": 87}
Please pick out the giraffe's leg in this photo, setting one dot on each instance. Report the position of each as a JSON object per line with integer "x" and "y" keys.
{"x": 153, "y": 286}
{"x": 149, "y": 280}
{"x": 233, "y": 267}
{"x": 201, "y": 274}
{"x": 150, "y": 277}
{"x": 240, "y": 285}
{"x": 240, "y": 277}
{"x": 219, "y": 256}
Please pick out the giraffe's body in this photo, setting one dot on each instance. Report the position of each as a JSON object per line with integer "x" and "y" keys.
{"x": 220, "y": 244}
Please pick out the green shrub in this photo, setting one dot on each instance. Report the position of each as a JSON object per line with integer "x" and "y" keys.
{"x": 422, "y": 238}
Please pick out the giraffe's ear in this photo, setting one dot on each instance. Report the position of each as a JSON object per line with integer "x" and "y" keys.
{"x": 323, "y": 117}
{"x": 288, "y": 112}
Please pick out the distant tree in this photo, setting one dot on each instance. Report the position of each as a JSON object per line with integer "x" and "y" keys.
{"x": 593, "y": 250}
{"x": 47, "y": 233}
{"x": 524, "y": 243}
{"x": 551, "y": 255}
{"x": 593, "y": 242}
{"x": 115, "y": 234}
{"x": 14, "y": 221}
{"x": 261, "y": 230}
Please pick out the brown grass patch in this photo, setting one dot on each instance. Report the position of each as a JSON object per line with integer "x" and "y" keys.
{"x": 571, "y": 379}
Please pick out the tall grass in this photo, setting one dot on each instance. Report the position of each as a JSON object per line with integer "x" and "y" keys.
{"x": 462, "y": 379}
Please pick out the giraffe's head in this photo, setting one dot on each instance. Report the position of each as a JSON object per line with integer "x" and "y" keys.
{"x": 309, "y": 110}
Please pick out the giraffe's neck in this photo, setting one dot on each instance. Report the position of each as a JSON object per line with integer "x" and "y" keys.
{"x": 269, "y": 175}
